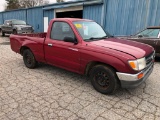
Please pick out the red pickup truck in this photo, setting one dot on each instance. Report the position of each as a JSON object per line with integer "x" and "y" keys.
{"x": 82, "y": 46}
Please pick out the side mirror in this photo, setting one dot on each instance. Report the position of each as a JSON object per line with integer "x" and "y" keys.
{"x": 70, "y": 39}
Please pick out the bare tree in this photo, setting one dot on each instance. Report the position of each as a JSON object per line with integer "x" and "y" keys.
{"x": 12, "y": 4}
{"x": 32, "y": 3}
{"x": 16, "y": 4}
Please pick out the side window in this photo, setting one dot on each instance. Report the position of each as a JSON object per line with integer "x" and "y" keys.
{"x": 60, "y": 30}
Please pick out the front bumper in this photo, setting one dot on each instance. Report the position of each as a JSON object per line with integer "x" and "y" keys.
{"x": 131, "y": 80}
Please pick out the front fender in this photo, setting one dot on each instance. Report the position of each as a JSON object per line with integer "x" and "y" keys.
{"x": 119, "y": 63}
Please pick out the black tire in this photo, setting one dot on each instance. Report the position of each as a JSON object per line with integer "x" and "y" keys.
{"x": 3, "y": 33}
{"x": 29, "y": 59}
{"x": 104, "y": 79}
{"x": 14, "y": 32}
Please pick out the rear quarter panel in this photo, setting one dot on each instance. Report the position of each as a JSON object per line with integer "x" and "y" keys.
{"x": 35, "y": 44}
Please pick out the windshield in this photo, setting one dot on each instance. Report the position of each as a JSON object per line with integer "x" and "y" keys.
{"x": 90, "y": 30}
{"x": 18, "y": 22}
{"x": 149, "y": 33}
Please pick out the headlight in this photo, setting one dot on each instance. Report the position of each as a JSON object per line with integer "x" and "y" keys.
{"x": 138, "y": 64}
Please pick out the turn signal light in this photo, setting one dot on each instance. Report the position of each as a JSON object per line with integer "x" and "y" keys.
{"x": 133, "y": 65}
{"x": 141, "y": 75}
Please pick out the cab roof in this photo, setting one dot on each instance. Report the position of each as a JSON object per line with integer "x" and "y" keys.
{"x": 70, "y": 19}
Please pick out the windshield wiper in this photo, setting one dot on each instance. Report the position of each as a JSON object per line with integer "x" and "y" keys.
{"x": 104, "y": 37}
{"x": 91, "y": 38}
{"x": 97, "y": 38}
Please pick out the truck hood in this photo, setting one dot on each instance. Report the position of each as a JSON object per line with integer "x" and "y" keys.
{"x": 135, "y": 49}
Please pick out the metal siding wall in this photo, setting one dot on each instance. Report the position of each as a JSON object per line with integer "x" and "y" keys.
{"x": 153, "y": 17}
{"x": 121, "y": 17}
{"x": 93, "y": 12}
{"x": 1, "y": 18}
{"x": 35, "y": 18}
{"x": 18, "y": 14}
{"x": 125, "y": 17}
{"x": 49, "y": 14}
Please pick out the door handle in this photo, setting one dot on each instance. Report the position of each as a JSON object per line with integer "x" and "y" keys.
{"x": 50, "y": 45}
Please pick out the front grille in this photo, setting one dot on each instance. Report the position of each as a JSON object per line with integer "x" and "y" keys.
{"x": 27, "y": 28}
{"x": 150, "y": 58}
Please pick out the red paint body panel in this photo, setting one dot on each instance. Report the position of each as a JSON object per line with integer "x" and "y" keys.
{"x": 62, "y": 55}
{"x": 34, "y": 43}
{"x": 75, "y": 57}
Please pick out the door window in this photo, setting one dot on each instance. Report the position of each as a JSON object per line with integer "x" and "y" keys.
{"x": 60, "y": 30}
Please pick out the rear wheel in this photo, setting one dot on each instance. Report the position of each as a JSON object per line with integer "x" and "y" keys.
{"x": 29, "y": 59}
{"x": 104, "y": 79}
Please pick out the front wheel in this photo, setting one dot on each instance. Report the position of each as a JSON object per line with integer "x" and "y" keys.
{"x": 3, "y": 33}
{"x": 14, "y": 32}
{"x": 29, "y": 59}
{"x": 104, "y": 79}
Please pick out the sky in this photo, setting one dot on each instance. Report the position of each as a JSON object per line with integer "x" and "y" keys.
{"x": 3, "y": 3}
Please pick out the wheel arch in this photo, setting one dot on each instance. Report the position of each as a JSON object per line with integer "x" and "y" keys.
{"x": 28, "y": 57}
{"x": 24, "y": 48}
{"x": 91, "y": 64}
{"x": 14, "y": 30}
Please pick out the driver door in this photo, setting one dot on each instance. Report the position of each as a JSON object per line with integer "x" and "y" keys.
{"x": 61, "y": 53}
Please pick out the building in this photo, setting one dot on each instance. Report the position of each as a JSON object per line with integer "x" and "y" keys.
{"x": 119, "y": 17}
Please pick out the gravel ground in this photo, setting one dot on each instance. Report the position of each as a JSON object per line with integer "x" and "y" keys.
{"x": 48, "y": 93}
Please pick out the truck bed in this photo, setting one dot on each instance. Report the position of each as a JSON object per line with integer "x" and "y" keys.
{"x": 39, "y": 35}
{"x": 34, "y": 41}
